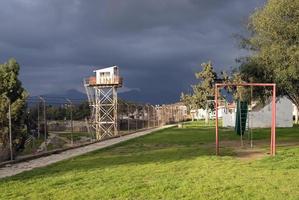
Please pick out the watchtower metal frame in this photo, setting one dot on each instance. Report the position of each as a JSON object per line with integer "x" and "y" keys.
{"x": 103, "y": 102}
{"x": 273, "y": 120}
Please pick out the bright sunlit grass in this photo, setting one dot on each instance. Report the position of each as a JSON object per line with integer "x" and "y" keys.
{"x": 169, "y": 164}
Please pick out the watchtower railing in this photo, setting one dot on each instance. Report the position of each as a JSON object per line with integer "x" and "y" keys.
{"x": 116, "y": 80}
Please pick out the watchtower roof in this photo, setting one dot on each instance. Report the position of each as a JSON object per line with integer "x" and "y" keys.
{"x": 108, "y": 76}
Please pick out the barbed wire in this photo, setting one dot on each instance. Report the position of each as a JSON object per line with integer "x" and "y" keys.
{"x": 57, "y": 100}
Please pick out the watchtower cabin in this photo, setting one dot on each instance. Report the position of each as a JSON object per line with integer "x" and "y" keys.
{"x": 101, "y": 91}
{"x": 106, "y": 77}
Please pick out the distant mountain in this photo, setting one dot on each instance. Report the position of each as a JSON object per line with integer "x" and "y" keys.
{"x": 75, "y": 94}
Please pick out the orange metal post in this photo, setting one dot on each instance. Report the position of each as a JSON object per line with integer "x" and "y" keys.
{"x": 273, "y": 131}
{"x": 216, "y": 120}
{"x": 273, "y": 120}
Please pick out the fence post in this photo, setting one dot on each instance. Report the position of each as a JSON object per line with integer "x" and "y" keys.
{"x": 9, "y": 128}
{"x": 148, "y": 116}
{"x": 143, "y": 122}
{"x": 38, "y": 125}
{"x": 159, "y": 116}
{"x": 163, "y": 115}
{"x": 156, "y": 117}
{"x": 72, "y": 124}
{"x": 45, "y": 121}
{"x": 136, "y": 122}
{"x": 88, "y": 129}
{"x": 153, "y": 116}
{"x": 128, "y": 115}
{"x": 10, "y": 133}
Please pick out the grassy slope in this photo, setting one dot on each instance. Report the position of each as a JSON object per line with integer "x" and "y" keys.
{"x": 170, "y": 164}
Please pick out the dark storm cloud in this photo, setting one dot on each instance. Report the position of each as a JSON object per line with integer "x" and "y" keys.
{"x": 157, "y": 44}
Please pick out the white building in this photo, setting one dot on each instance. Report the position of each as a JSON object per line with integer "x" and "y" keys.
{"x": 200, "y": 114}
{"x": 261, "y": 117}
{"x": 295, "y": 113}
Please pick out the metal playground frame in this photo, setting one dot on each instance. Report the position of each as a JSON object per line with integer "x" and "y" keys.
{"x": 273, "y": 120}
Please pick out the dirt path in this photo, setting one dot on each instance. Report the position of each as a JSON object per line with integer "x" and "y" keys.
{"x": 17, "y": 168}
{"x": 260, "y": 148}
{"x": 250, "y": 154}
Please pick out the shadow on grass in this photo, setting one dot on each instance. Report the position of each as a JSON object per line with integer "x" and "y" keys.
{"x": 100, "y": 160}
{"x": 163, "y": 146}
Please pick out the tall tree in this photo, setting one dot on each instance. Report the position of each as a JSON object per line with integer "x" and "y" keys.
{"x": 204, "y": 89}
{"x": 274, "y": 42}
{"x": 11, "y": 90}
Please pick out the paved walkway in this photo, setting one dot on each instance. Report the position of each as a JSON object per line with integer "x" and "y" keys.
{"x": 13, "y": 169}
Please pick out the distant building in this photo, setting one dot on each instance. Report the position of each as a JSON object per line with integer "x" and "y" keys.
{"x": 260, "y": 116}
{"x": 200, "y": 114}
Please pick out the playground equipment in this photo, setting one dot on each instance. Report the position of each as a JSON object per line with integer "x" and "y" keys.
{"x": 101, "y": 91}
{"x": 243, "y": 116}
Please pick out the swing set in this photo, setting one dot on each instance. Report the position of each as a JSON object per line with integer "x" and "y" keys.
{"x": 242, "y": 114}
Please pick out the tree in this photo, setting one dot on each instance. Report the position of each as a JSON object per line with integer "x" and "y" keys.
{"x": 11, "y": 88}
{"x": 187, "y": 99}
{"x": 203, "y": 90}
{"x": 274, "y": 41}
{"x": 237, "y": 92}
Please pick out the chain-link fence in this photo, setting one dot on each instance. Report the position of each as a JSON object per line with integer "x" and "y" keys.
{"x": 54, "y": 124}
{"x": 133, "y": 116}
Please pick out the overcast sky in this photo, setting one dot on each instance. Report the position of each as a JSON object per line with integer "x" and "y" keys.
{"x": 158, "y": 45}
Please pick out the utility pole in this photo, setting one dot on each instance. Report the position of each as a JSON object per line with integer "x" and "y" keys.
{"x": 72, "y": 124}
{"x": 9, "y": 125}
{"x": 45, "y": 121}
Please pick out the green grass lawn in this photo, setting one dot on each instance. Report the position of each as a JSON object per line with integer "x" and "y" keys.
{"x": 168, "y": 164}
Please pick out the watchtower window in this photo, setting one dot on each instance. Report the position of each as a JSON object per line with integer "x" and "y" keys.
{"x": 105, "y": 74}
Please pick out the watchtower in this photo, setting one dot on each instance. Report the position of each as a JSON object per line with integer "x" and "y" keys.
{"x": 101, "y": 91}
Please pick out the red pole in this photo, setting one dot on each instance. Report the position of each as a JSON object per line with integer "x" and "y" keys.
{"x": 273, "y": 121}
{"x": 273, "y": 127}
{"x": 245, "y": 84}
{"x": 216, "y": 120}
